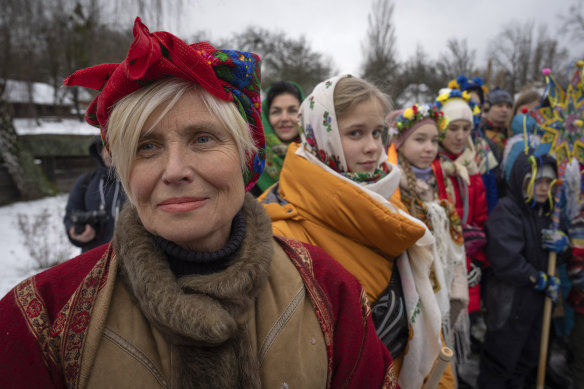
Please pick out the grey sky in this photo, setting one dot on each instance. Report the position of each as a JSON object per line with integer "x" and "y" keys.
{"x": 337, "y": 28}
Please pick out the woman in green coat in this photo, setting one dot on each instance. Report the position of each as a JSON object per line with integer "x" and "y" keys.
{"x": 280, "y": 120}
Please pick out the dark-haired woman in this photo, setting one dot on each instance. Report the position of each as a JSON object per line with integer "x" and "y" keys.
{"x": 280, "y": 121}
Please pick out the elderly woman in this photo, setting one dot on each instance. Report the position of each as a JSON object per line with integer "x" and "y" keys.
{"x": 194, "y": 290}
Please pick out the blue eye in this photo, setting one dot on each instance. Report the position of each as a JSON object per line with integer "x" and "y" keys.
{"x": 146, "y": 147}
{"x": 203, "y": 139}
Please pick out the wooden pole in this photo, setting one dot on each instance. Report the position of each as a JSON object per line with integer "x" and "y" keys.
{"x": 545, "y": 329}
{"x": 442, "y": 361}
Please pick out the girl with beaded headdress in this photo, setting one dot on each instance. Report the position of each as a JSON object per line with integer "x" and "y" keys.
{"x": 416, "y": 132}
{"x": 333, "y": 192}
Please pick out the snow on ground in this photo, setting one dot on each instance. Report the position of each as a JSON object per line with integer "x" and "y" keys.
{"x": 54, "y": 126}
{"x": 16, "y": 261}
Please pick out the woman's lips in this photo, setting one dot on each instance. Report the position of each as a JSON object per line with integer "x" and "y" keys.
{"x": 182, "y": 204}
{"x": 368, "y": 164}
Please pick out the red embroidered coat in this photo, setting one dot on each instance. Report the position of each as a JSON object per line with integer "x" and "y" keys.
{"x": 46, "y": 320}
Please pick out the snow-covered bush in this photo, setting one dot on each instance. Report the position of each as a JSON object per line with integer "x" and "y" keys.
{"x": 45, "y": 247}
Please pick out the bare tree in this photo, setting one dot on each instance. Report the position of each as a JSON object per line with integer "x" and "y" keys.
{"x": 418, "y": 80}
{"x": 518, "y": 55}
{"x": 572, "y": 23}
{"x": 285, "y": 58}
{"x": 458, "y": 60}
{"x": 380, "y": 64}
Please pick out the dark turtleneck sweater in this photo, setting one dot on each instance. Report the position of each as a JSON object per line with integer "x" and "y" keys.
{"x": 186, "y": 262}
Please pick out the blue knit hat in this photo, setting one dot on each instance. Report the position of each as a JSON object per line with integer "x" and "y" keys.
{"x": 499, "y": 95}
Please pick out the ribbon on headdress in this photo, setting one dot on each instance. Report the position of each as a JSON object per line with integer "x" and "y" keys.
{"x": 229, "y": 75}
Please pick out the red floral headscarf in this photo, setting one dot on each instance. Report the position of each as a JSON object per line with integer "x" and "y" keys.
{"x": 228, "y": 75}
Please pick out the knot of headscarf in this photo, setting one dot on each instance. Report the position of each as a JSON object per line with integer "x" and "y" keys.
{"x": 229, "y": 75}
{"x": 462, "y": 168}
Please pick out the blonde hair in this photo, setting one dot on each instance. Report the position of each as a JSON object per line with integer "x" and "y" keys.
{"x": 351, "y": 91}
{"x": 129, "y": 116}
{"x": 411, "y": 181}
{"x": 526, "y": 97}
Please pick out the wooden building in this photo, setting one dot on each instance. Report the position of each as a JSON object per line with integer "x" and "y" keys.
{"x": 58, "y": 141}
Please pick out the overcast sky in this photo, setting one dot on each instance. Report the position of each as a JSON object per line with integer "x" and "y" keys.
{"x": 337, "y": 28}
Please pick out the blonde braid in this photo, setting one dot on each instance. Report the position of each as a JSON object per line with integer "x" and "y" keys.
{"x": 411, "y": 177}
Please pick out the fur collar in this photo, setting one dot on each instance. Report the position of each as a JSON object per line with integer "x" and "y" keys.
{"x": 198, "y": 313}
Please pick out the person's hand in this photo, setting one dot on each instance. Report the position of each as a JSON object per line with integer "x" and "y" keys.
{"x": 474, "y": 275}
{"x": 87, "y": 235}
{"x": 554, "y": 240}
{"x": 548, "y": 284}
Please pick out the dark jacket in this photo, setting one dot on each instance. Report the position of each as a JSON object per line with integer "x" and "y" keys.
{"x": 514, "y": 249}
{"x": 99, "y": 191}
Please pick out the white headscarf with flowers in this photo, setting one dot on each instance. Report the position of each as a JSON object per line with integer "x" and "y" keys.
{"x": 321, "y": 145}
{"x": 321, "y": 141}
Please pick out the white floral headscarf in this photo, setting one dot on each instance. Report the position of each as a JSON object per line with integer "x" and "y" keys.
{"x": 320, "y": 133}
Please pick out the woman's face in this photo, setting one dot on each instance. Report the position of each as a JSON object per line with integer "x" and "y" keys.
{"x": 421, "y": 147}
{"x": 360, "y": 131}
{"x": 186, "y": 177}
{"x": 283, "y": 116}
{"x": 456, "y": 137}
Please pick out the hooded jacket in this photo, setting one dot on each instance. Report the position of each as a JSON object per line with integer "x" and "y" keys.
{"x": 95, "y": 191}
{"x": 514, "y": 248}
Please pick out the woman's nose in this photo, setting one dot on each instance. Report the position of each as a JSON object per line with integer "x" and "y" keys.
{"x": 177, "y": 167}
{"x": 286, "y": 116}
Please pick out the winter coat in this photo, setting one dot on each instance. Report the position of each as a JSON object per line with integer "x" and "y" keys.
{"x": 311, "y": 205}
{"x": 514, "y": 251}
{"x": 514, "y": 307}
{"x": 95, "y": 191}
{"x": 283, "y": 314}
{"x": 477, "y": 216}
